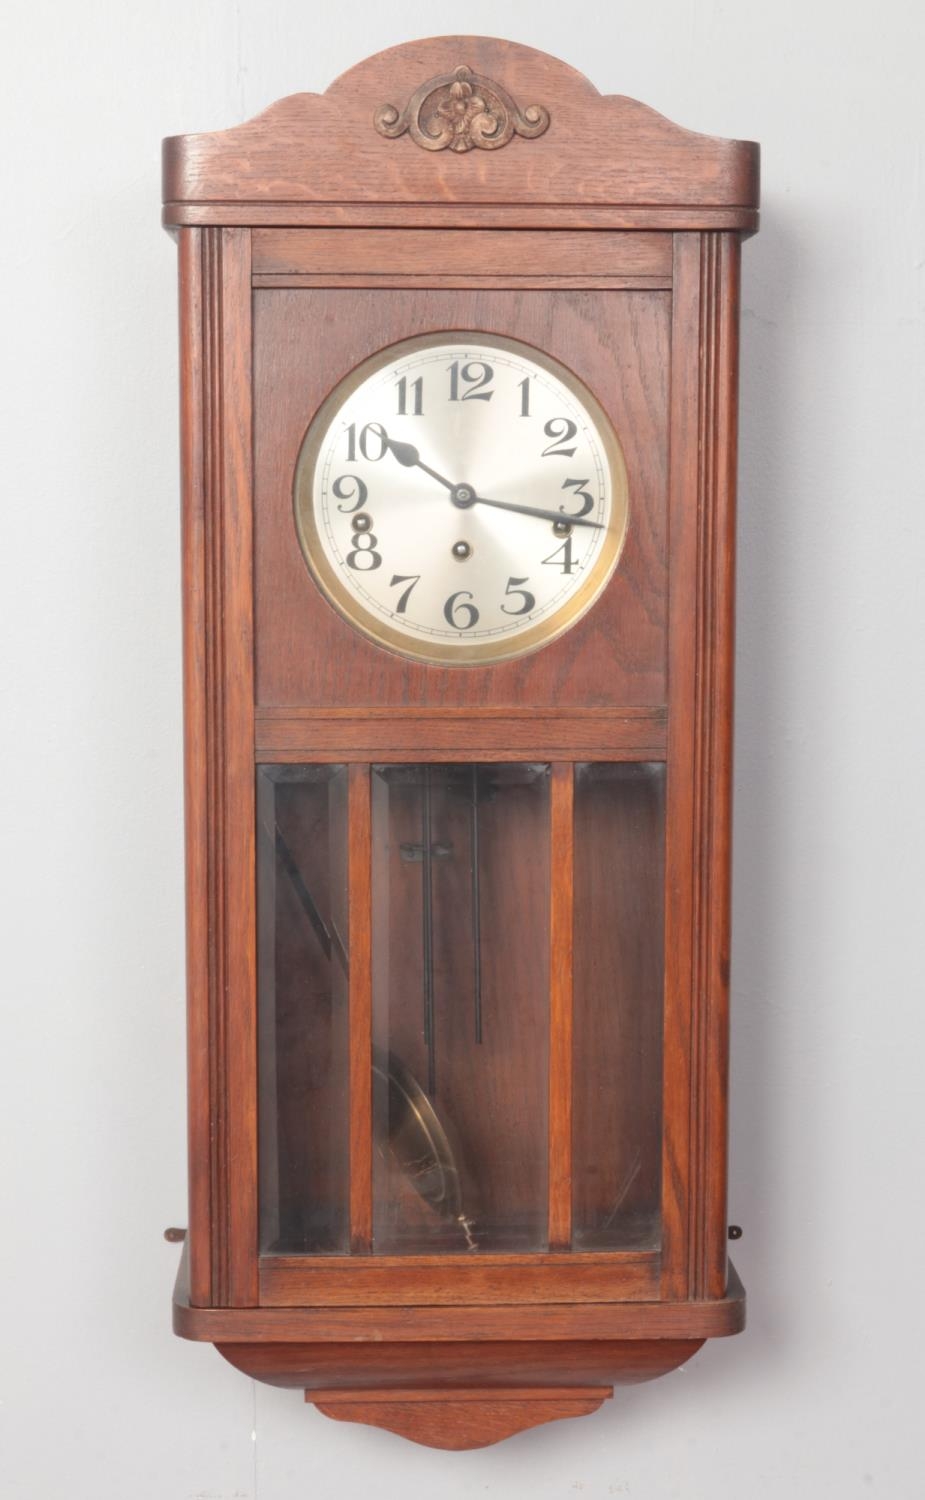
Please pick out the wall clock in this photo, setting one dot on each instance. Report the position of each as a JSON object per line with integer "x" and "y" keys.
{"x": 459, "y": 365}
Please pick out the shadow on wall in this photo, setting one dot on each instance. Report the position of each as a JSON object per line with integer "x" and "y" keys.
{"x": 770, "y": 518}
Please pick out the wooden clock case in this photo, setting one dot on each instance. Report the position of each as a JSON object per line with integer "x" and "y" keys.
{"x": 310, "y": 237}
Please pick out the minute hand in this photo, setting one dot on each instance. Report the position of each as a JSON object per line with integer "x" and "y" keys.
{"x": 535, "y": 510}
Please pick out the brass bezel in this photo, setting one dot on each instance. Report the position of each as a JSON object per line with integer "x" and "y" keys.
{"x": 464, "y": 654}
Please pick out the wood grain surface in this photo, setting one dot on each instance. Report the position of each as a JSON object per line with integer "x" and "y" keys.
{"x": 427, "y": 734}
{"x": 307, "y": 656}
{"x": 458, "y": 1420}
{"x": 324, "y": 149}
{"x": 496, "y": 1323}
{"x": 219, "y": 780}
{"x": 385, "y": 1280}
{"x": 678, "y": 1084}
{"x": 698, "y": 832}
{"x": 453, "y": 1364}
{"x": 196, "y": 393}
{"x": 497, "y": 253}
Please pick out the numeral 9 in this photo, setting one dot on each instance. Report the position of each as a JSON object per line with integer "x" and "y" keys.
{"x": 343, "y": 492}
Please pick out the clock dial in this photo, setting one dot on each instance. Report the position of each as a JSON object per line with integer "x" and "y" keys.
{"x": 461, "y": 498}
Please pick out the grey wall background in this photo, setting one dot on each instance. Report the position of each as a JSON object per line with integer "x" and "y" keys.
{"x": 822, "y": 1395}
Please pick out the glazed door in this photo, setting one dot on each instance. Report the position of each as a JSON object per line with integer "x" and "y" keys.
{"x": 498, "y": 1101}
{"x": 461, "y": 920}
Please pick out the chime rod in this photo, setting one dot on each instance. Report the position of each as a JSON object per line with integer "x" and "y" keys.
{"x": 561, "y": 924}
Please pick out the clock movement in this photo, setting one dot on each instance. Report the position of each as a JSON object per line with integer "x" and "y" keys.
{"x": 459, "y": 367}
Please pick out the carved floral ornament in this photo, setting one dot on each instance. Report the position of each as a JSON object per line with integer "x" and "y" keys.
{"x": 460, "y": 111}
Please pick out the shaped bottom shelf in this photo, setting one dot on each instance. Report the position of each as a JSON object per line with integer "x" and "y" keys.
{"x": 459, "y": 1418}
{"x": 462, "y": 1376}
{"x": 460, "y": 1395}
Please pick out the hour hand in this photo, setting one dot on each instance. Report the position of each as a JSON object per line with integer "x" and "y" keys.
{"x": 406, "y": 453}
{"x": 409, "y": 457}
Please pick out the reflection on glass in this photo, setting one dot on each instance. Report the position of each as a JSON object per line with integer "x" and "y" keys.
{"x": 460, "y": 1007}
{"x": 302, "y": 1007}
{"x": 618, "y": 1005}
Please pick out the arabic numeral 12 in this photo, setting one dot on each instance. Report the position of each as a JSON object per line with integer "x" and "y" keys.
{"x": 477, "y": 374}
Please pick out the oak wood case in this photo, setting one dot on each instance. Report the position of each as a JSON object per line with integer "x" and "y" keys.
{"x": 307, "y": 241}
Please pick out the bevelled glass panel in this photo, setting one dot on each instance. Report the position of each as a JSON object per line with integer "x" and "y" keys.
{"x": 460, "y": 1007}
{"x": 618, "y": 1005}
{"x": 302, "y": 944}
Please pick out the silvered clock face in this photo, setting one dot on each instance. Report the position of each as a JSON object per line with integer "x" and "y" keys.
{"x": 461, "y": 498}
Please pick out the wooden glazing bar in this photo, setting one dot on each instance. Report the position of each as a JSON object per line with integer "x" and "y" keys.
{"x": 359, "y": 882}
{"x": 561, "y": 921}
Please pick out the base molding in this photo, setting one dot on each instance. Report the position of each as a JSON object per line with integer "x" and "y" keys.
{"x": 459, "y": 1376}
{"x": 460, "y": 1418}
{"x": 459, "y": 1395}
{"x": 393, "y": 1370}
